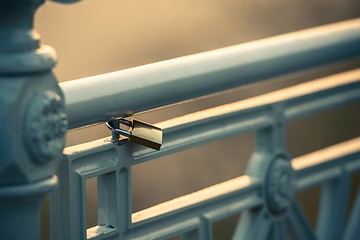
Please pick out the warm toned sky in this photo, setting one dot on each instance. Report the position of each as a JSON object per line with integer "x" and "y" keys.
{"x": 97, "y": 36}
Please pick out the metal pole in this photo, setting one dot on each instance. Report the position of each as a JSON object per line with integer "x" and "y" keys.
{"x": 32, "y": 121}
{"x": 122, "y": 93}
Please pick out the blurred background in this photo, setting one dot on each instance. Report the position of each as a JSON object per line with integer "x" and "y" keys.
{"x": 94, "y": 37}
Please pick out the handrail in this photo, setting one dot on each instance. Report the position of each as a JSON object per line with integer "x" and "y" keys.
{"x": 95, "y": 99}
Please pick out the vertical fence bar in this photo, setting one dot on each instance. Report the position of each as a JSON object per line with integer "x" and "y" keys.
{"x": 333, "y": 208}
{"x": 32, "y": 121}
{"x": 107, "y": 200}
{"x": 353, "y": 227}
{"x": 125, "y": 199}
{"x": 278, "y": 231}
{"x": 205, "y": 229}
{"x": 253, "y": 224}
{"x": 271, "y": 164}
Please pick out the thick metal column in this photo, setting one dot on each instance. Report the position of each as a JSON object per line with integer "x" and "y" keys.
{"x": 32, "y": 121}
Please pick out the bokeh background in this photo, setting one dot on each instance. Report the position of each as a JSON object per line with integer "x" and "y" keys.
{"x": 93, "y": 37}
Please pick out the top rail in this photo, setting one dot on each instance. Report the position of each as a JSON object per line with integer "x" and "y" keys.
{"x": 95, "y": 99}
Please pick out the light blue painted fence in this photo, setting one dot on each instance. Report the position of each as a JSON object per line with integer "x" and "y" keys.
{"x": 33, "y": 124}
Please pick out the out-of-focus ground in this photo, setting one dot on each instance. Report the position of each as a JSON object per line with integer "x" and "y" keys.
{"x": 94, "y": 37}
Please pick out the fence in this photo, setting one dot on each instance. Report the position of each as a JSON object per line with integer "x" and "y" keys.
{"x": 34, "y": 119}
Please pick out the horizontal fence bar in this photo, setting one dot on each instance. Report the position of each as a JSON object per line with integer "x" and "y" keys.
{"x": 96, "y": 99}
{"x": 323, "y": 165}
{"x": 213, "y": 203}
{"x": 251, "y": 114}
{"x": 240, "y": 184}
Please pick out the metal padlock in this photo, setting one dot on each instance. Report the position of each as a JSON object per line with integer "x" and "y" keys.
{"x": 139, "y": 132}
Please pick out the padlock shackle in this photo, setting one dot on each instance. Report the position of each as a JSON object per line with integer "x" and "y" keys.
{"x": 125, "y": 122}
{"x": 112, "y": 127}
{"x": 122, "y": 132}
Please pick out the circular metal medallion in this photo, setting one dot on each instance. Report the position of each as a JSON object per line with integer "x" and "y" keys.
{"x": 280, "y": 187}
{"x": 45, "y": 127}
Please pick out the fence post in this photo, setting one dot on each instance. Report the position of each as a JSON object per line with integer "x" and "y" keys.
{"x": 32, "y": 121}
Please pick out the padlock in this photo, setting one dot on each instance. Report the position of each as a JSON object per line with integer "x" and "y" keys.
{"x": 146, "y": 134}
{"x": 139, "y": 132}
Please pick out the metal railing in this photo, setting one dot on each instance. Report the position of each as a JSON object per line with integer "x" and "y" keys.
{"x": 32, "y": 153}
{"x": 262, "y": 189}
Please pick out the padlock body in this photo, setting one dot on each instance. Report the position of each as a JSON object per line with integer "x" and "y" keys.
{"x": 146, "y": 134}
